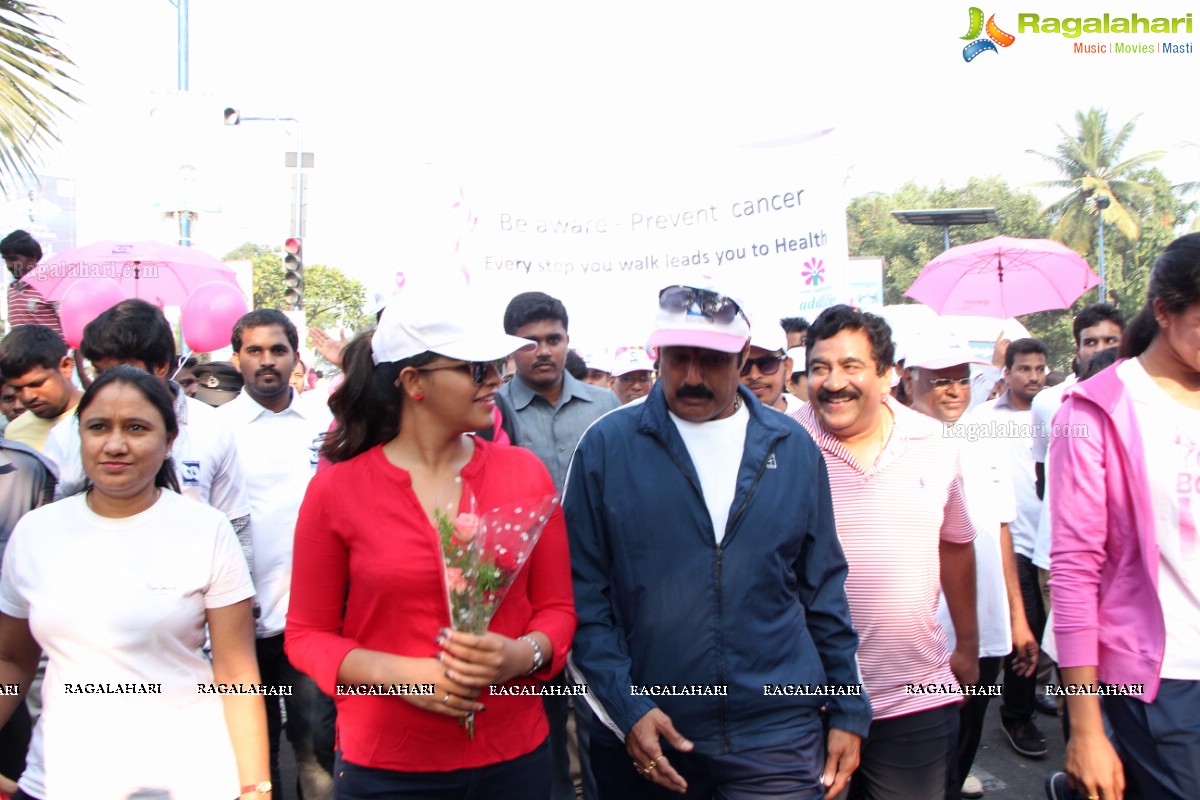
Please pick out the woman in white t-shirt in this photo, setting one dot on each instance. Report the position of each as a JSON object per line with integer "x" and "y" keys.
{"x": 1125, "y": 566}
{"x": 116, "y": 584}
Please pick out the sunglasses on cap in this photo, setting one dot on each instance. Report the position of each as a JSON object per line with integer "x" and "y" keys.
{"x": 767, "y": 365}
{"x": 478, "y": 369}
{"x": 714, "y": 306}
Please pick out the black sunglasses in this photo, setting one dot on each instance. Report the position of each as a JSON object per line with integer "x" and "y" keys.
{"x": 767, "y": 365}
{"x": 712, "y": 305}
{"x": 478, "y": 369}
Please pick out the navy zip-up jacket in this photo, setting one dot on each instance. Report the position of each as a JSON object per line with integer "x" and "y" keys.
{"x": 660, "y": 603}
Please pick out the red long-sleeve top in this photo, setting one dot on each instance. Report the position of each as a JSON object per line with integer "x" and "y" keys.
{"x": 368, "y": 572}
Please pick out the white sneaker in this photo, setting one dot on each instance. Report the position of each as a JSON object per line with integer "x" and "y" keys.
{"x": 972, "y": 787}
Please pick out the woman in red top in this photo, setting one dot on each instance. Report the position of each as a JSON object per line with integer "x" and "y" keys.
{"x": 368, "y": 605}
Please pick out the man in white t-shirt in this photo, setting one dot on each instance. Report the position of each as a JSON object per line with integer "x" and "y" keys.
{"x": 767, "y": 369}
{"x": 279, "y": 439}
{"x": 938, "y": 379}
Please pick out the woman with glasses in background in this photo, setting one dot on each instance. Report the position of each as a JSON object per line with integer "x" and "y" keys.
{"x": 369, "y": 603}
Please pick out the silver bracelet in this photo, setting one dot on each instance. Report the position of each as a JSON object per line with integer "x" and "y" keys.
{"x": 538, "y": 657}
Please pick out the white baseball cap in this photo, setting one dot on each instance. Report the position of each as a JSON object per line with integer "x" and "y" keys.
{"x": 770, "y": 337}
{"x": 633, "y": 359}
{"x": 941, "y": 353}
{"x": 694, "y": 316}
{"x": 411, "y": 326}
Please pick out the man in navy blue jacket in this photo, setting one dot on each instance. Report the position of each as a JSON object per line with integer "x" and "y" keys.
{"x": 709, "y": 582}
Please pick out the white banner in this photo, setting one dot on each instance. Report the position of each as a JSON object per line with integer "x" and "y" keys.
{"x": 767, "y": 223}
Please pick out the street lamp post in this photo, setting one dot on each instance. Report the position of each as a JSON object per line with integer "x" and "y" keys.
{"x": 1103, "y": 201}
{"x": 233, "y": 117}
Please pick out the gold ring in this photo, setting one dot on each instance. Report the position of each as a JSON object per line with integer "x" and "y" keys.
{"x": 653, "y": 763}
{"x": 446, "y": 699}
{"x": 1093, "y": 797}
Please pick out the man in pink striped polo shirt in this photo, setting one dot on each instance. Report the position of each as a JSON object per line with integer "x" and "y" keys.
{"x": 902, "y": 521}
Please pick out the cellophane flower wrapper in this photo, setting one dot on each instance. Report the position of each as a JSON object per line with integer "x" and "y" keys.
{"x": 483, "y": 555}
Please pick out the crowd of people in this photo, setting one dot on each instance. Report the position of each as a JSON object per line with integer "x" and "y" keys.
{"x": 790, "y": 560}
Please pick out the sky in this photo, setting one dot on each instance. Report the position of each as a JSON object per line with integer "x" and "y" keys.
{"x": 394, "y": 98}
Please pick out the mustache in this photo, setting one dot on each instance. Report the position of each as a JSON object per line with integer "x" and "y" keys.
{"x": 826, "y": 396}
{"x": 268, "y": 371}
{"x": 698, "y": 392}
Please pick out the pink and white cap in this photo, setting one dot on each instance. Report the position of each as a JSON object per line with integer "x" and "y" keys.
{"x": 413, "y": 325}
{"x": 690, "y": 327}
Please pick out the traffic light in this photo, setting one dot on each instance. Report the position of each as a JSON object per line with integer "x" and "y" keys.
{"x": 293, "y": 272}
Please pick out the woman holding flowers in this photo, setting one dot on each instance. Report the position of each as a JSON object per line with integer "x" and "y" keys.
{"x": 369, "y": 616}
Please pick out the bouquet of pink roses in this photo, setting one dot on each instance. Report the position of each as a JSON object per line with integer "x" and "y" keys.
{"x": 483, "y": 554}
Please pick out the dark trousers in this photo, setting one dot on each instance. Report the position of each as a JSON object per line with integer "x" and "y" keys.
{"x": 521, "y": 778}
{"x": 310, "y": 719}
{"x": 1159, "y": 742}
{"x": 1020, "y": 693}
{"x": 558, "y": 710}
{"x": 14, "y": 742}
{"x": 970, "y": 726}
{"x": 908, "y": 757}
{"x": 789, "y": 772}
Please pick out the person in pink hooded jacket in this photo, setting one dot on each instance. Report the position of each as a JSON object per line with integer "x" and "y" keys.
{"x": 1125, "y": 569}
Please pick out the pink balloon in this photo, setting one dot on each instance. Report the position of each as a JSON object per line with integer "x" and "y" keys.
{"x": 210, "y": 314}
{"x": 82, "y": 302}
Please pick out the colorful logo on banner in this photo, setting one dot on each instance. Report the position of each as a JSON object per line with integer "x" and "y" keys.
{"x": 813, "y": 272}
{"x": 995, "y": 36}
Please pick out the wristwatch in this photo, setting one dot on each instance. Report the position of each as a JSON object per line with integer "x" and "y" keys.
{"x": 262, "y": 787}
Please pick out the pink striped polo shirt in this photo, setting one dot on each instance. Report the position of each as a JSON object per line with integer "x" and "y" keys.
{"x": 27, "y": 307}
{"x": 890, "y": 520}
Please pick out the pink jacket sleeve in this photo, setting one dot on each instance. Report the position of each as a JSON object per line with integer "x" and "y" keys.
{"x": 1079, "y": 519}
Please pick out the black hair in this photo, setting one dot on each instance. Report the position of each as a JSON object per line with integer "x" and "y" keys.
{"x": 1175, "y": 282}
{"x": 1098, "y": 363}
{"x": 20, "y": 243}
{"x": 1093, "y": 315}
{"x": 189, "y": 363}
{"x": 576, "y": 366}
{"x": 1023, "y": 347}
{"x": 260, "y": 318}
{"x": 530, "y": 307}
{"x": 835, "y": 319}
{"x": 132, "y": 329}
{"x": 367, "y": 403}
{"x": 794, "y": 324}
{"x": 156, "y": 394}
{"x": 29, "y": 346}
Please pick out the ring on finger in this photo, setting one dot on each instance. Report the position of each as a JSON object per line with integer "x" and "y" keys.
{"x": 446, "y": 699}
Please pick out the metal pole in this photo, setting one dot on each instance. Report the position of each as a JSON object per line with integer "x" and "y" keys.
{"x": 299, "y": 183}
{"x": 1103, "y": 292}
{"x": 182, "y": 6}
{"x": 946, "y": 236}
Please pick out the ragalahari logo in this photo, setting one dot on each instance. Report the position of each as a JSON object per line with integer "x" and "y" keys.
{"x": 995, "y": 36}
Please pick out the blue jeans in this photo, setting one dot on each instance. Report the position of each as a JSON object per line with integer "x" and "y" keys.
{"x": 788, "y": 772}
{"x": 521, "y": 778}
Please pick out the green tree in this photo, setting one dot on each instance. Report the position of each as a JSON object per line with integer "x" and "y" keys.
{"x": 331, "y": 298}
{"x": 1091, "y": 165}
{"x": 31, "y": 88}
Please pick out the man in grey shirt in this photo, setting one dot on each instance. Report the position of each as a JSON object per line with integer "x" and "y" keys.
{"x": 26, "y": 482}
{"x": 549, "y": 412}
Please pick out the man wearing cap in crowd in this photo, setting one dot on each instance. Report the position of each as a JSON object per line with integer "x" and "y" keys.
{"x": 767, "y": 369}
{"x": 798, "y": 381}
{"x": 705, "y": 558}
{"x": 598, "y": 373}
{"x": 550, "y": 411}
{"x": 902, "y": 519}
{"x": 632, "y": 374}
{"x": 937, "y": 377}
{"x": 216, "y": 382}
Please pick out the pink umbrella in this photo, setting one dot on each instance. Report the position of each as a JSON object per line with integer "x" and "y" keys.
{"x": 1003, "y": 277}
{"x": 163, "y": 274}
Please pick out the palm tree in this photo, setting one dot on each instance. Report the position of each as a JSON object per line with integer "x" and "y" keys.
{"x": 31, "y": 78}
{"x": 1092, "y": 167}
